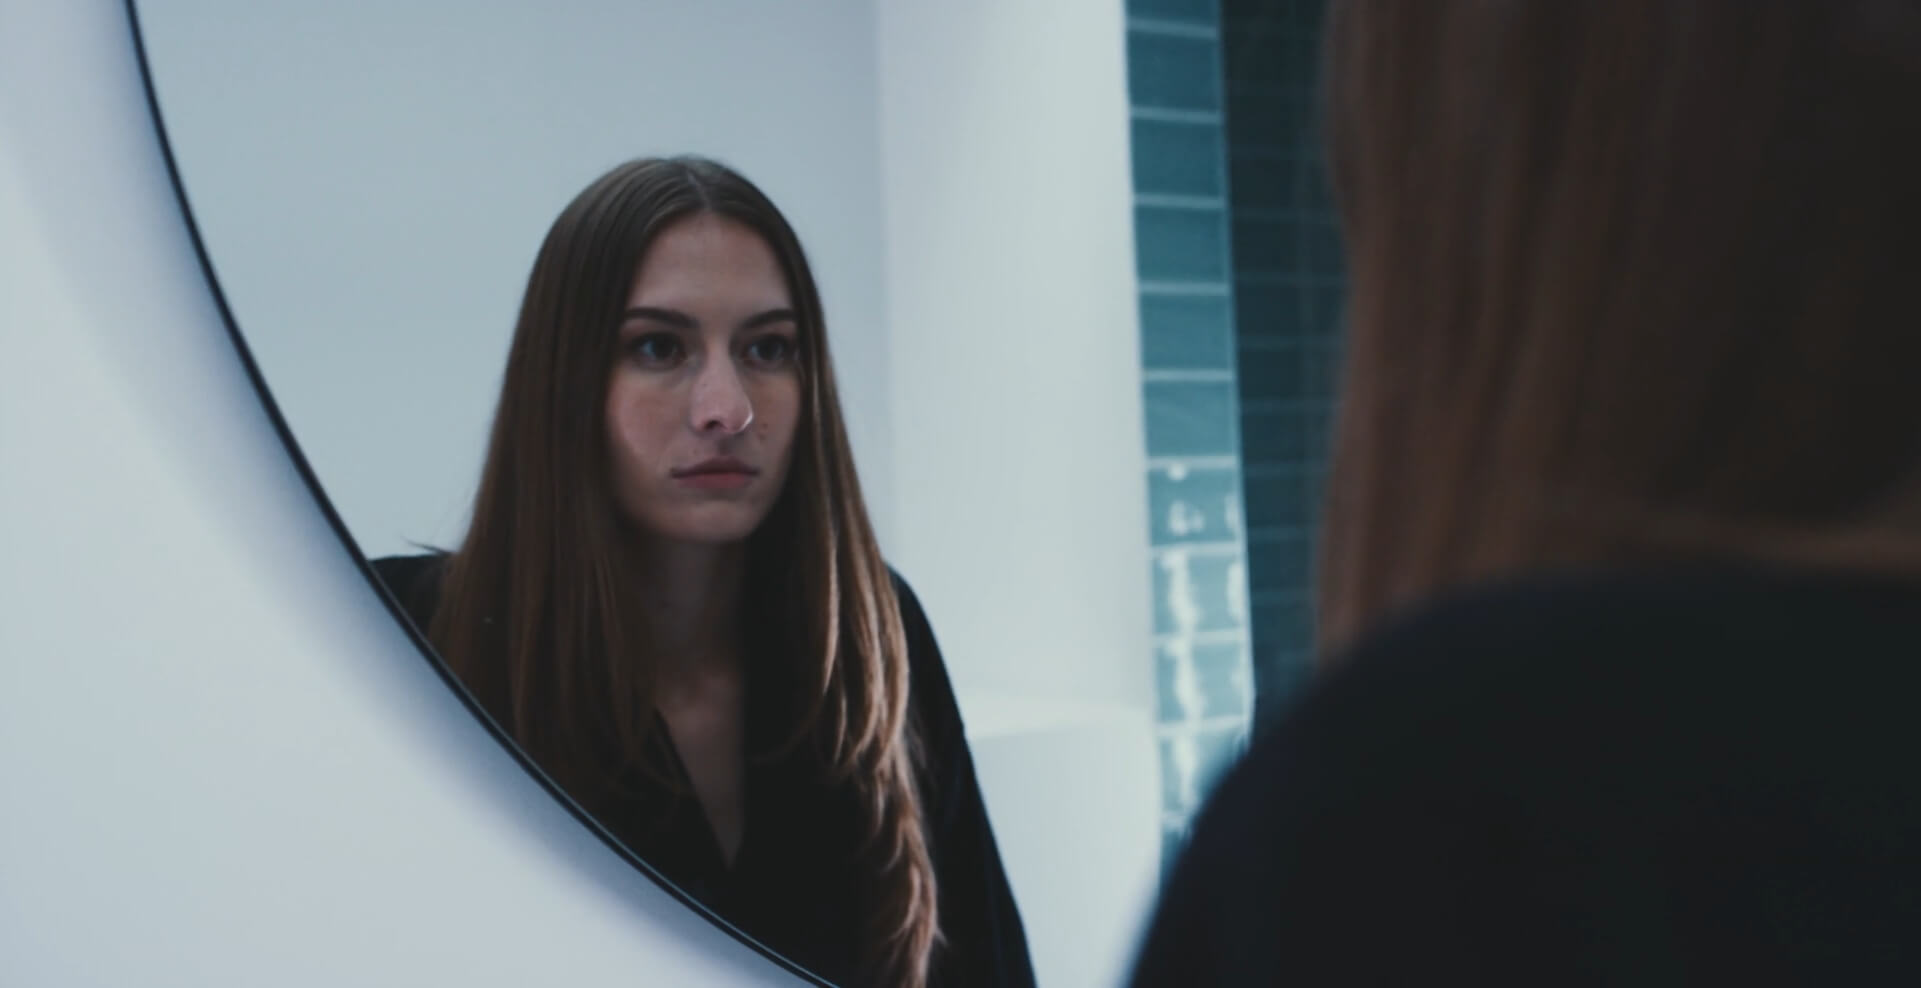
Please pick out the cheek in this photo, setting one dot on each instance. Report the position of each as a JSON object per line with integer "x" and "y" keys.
{"x": 777, "y": 411}
{"x": 634, "y": 428}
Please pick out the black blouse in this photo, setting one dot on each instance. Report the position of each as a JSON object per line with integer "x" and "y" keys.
{"x": 1695, "y": 776}
{"x": 790, "y": 886}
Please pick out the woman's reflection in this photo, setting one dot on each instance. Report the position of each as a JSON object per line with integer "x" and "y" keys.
{"x": 670, "y": 595}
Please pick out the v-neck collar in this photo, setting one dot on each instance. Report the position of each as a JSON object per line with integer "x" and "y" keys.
{"x": 697, "y": 811}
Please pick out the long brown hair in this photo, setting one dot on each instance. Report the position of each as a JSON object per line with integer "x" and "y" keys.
{"x": 536, "y": 612}
{"x": 1631, "y": 280}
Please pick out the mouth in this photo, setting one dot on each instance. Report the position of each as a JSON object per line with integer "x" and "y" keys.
{"x": 719, "y": 473}
{"x": 719, "y": 466}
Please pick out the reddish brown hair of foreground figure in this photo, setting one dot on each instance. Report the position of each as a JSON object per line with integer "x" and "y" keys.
{"x": 1632, "y": 280}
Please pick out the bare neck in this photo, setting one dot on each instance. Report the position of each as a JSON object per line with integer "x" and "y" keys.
{"x": 693, "y": 609}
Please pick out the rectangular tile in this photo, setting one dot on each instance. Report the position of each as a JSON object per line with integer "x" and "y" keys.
{"x": 1268, "y": 246}
{"x": 1288, "y": 113}
{"x": 1173, "y": 244}
{"x": 1254, "y": 16}
{"x": 1198, "y": 592}
{"x": 1190, "y": 418}
{"x": 1269, "y": 181}
{"x": 1280, "y": 494}
{"x": 1269, "y": 309}
{"x": 1323, "y": 254}
{"x": 1321, "y": 376}
{"x": 1178, "y": 158}
{"x": 1173, "y": 73}
{"x": 1203, "y": 681}
{"x": 1273, "y": 55}
{"x": 1274, "y": 366}
{"x": 1181, "y": 332}
{"x": 1327, "y": 306}
{"x": 1192, "y": 762}
{"x": 1284, "y": 431}
{"x": 1194, "y": 505}
{"x": 1279, "y": 558}
{"x": 1285, "y": 621}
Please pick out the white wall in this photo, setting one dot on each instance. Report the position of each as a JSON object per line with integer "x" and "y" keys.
{"x": 221, "y": 764}
{"x": 373, "y": 179}
{"x": 1018, "y": 435}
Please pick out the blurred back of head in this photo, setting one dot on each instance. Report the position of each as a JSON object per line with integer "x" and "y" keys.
{"x": 1632, "y": 280}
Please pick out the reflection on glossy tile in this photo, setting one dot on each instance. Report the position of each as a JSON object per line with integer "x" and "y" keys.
{"x": 1191, "y": 591}
{"x": 1180, "y": 244}
{"x": 1190, "y": 418}
{"x": 1192, "y": 762}
{"x": 1178, "y": 158}
{"x": 1187, "y": 332}
{"x": 1194, "y": 505}
{"x": 1203, "y": 609}
{"x": 1170, "y": 72}
{"x": 1203, "y": 681}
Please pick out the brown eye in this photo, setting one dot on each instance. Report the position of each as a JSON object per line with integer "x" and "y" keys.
{"x": 774, "y": 351}
{"x": 660, "y": 349}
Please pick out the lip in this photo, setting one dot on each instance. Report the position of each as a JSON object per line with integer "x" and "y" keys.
{"x": 718, "y": 467}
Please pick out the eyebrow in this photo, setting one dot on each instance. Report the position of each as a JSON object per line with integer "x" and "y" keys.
{"x": 681, "y": 320}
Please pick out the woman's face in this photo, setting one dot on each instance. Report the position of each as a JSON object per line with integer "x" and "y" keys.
{"x": 706, "y": 388}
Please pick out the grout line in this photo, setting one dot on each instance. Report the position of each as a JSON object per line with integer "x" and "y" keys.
{"x": 1193, "y": 376}
{"x": 1174, "y": 29}
{"x": 1269, "y": 405}
{"x": 1183, "y": 463}
{"x": 1218, "y": 289}
{"x": 1227, "y": 636}
{"x": 1205, "y": 725}
{"x": 1212, "y": 548}
{"x": 1156, "y": 200}
{"x": 1160, "y": 114}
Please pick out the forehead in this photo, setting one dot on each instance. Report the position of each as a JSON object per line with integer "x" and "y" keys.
{"x": 713, "y": 258}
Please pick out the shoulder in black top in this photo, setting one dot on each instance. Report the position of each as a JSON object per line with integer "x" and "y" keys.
{"x": 1680, "y": 778}
{"x": 789, "y": 887}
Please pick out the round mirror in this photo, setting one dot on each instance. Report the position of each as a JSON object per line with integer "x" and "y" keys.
{"x": 743, "y": 402}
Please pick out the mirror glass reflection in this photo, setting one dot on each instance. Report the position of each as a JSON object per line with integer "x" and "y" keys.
{"x": 746, "y": 400}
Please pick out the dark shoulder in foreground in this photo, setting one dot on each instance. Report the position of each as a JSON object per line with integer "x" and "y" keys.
{"x": 1687, "y": 776}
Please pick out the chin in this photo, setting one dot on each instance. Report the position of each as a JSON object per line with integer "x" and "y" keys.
{"x": 709, "y": 527}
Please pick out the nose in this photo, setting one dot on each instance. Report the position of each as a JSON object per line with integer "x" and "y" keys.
{"x": 721, "y": 404}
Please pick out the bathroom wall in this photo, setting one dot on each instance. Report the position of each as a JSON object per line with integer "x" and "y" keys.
{"x": 1185, "y": 264}
{"x": 1288, "y": 284}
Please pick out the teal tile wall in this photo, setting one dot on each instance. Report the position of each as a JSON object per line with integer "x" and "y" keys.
{"x": 1185, "y": 262}
{"x": 1288, "y": 288}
